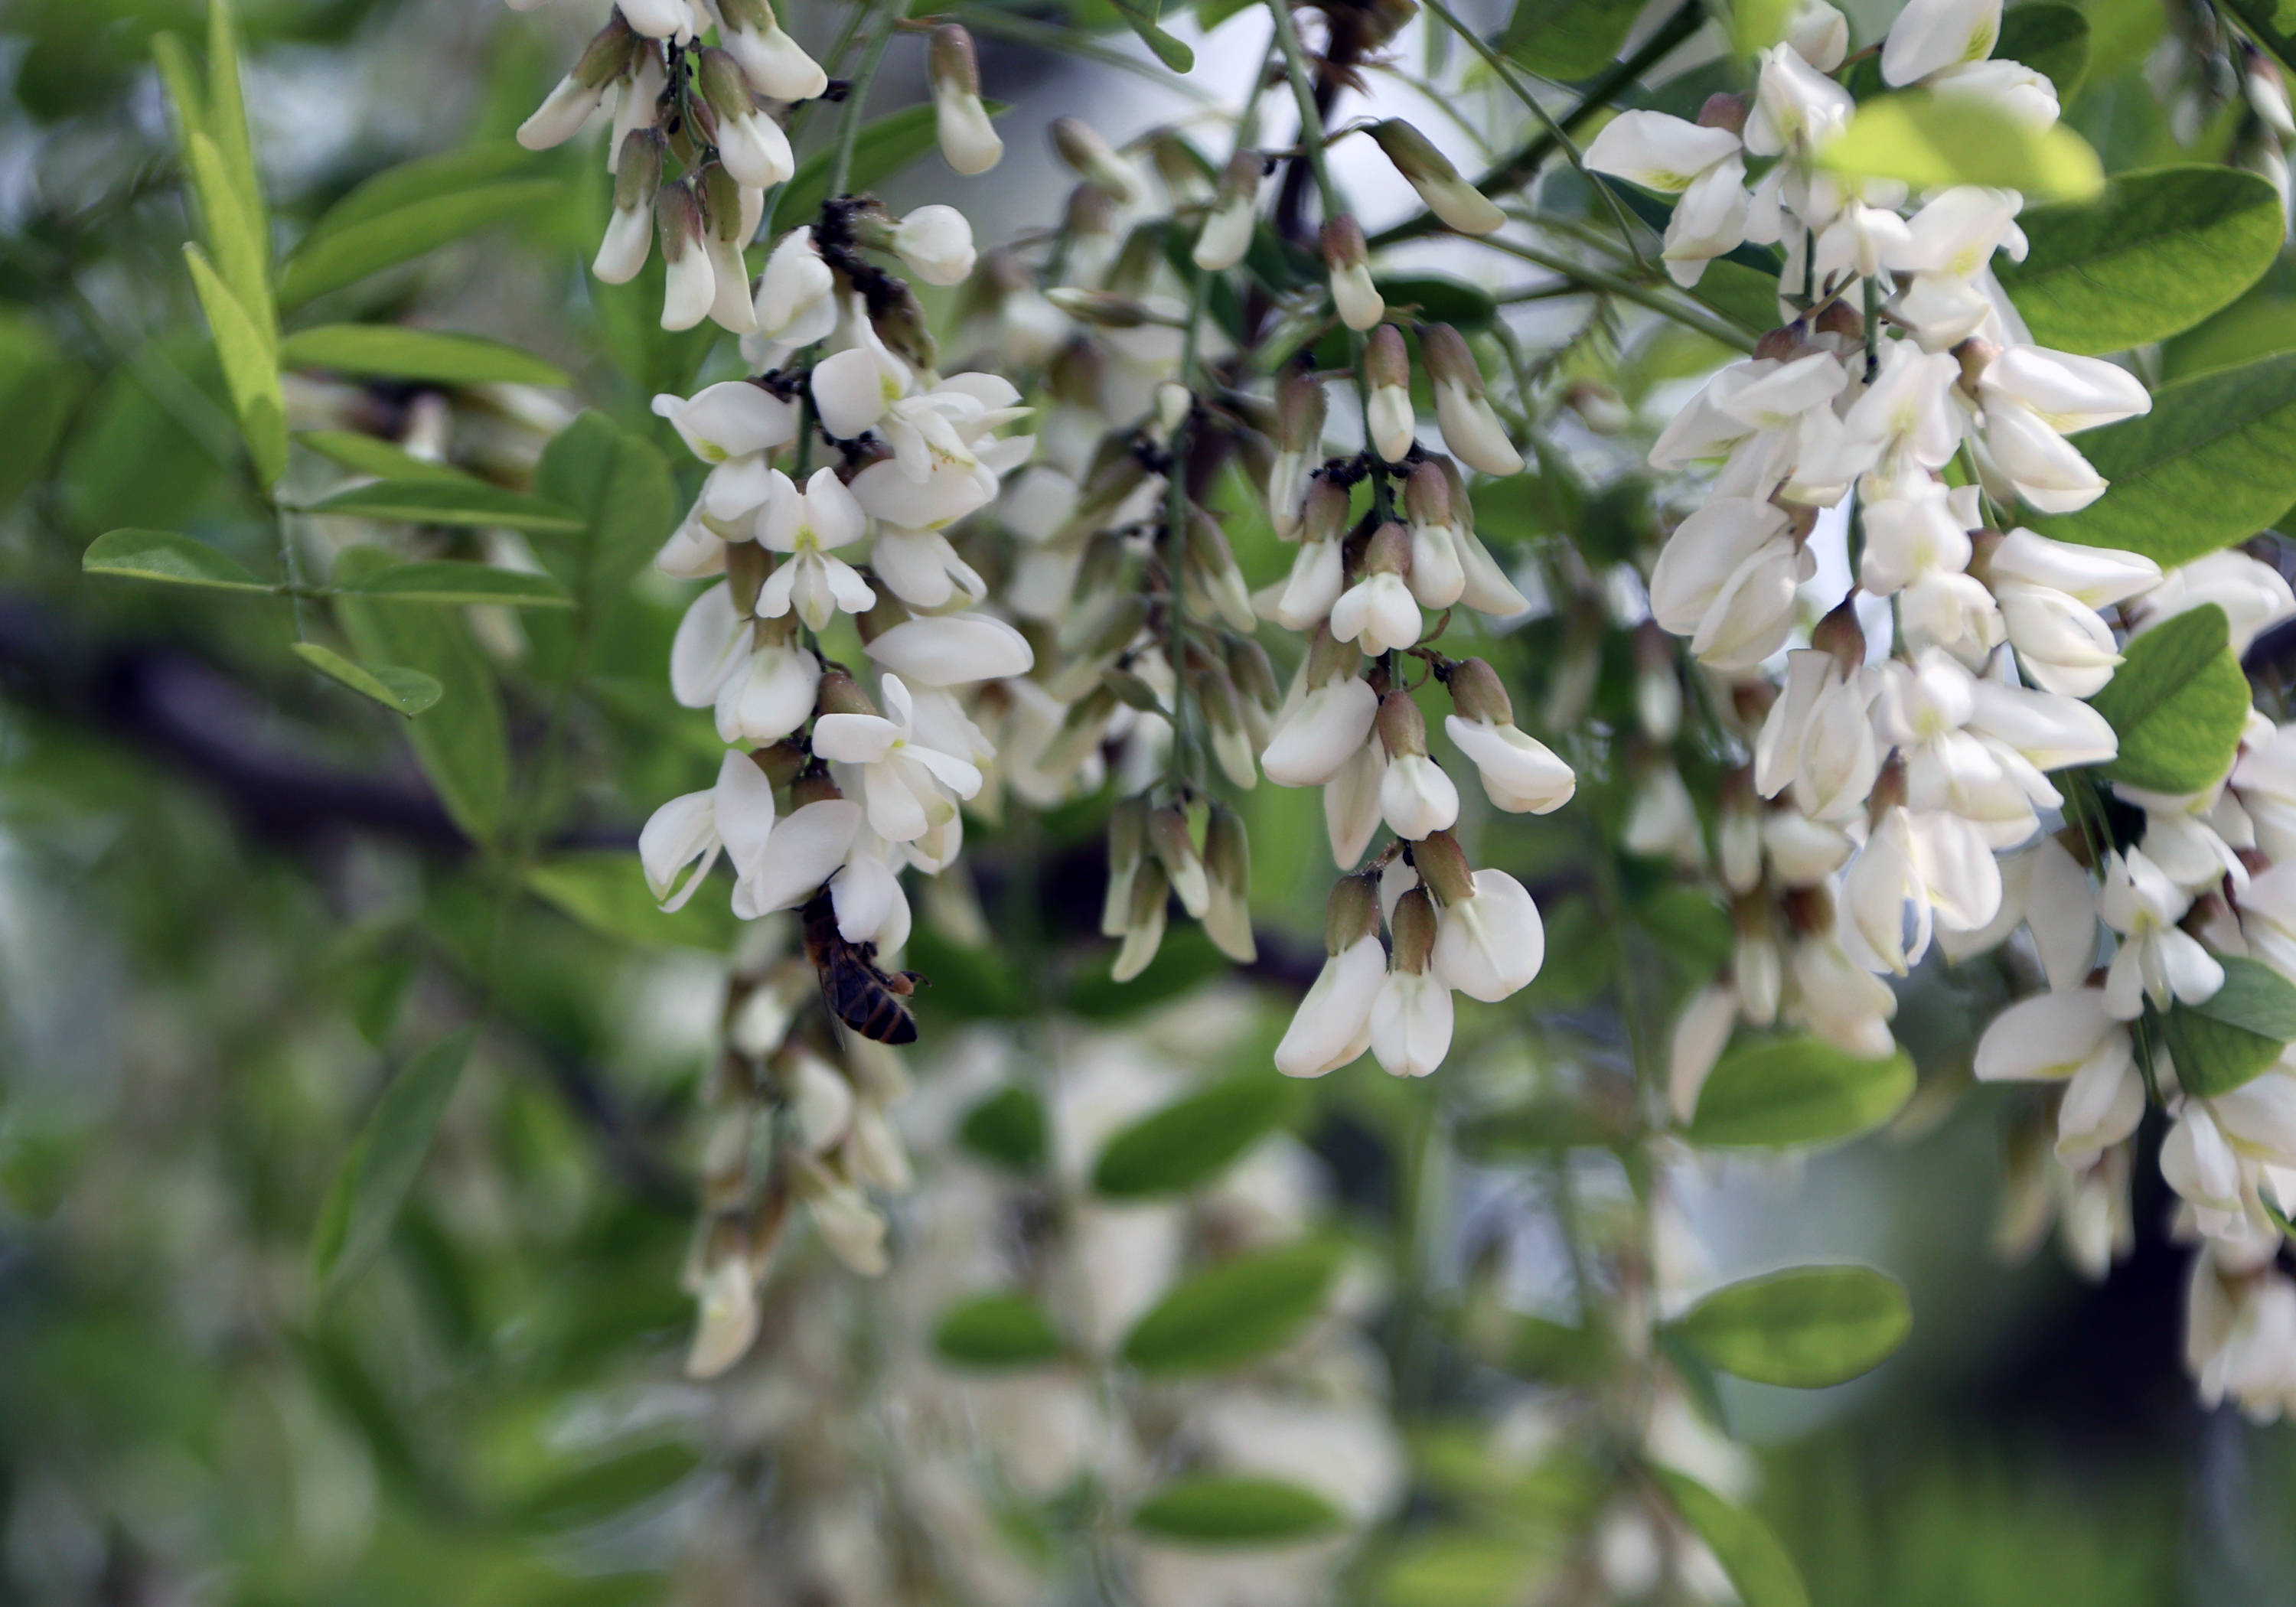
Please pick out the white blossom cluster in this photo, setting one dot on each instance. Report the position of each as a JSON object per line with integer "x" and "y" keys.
{"x": 1901, "y": 792}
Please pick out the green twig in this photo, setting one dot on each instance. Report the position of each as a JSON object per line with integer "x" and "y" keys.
{"x": 1594, "y": 278}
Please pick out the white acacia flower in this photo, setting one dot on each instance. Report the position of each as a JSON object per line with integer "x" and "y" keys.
{"x": 2240, "y": 1339}
{"x": 1416, "y": 797}
{"x": 1519, "y": 773}
{"x": 1328, "y": 727}
{"x": 1318, "y": 578}
{"x": 1839, "y": 999}
{"x": 1351, "y": 803}
{"x": 1725, "y": 579}
{"x": 1818, "y": 738}
{"x": 806, "y": 849}
{"x": 775, "y": 64}
{"x": 730, "y": 422}
{"x": 909, "y": 790}
{"x": 797, "y": 295}
{"x": 769, "y": 696}
{"x": 953, "y": 650}
{"x": 1701, "y": 1033}
{"x": 2224, "y": 1150}
{"x": 735, "y": 816}
{"x": 1378, "y": 613}
{"x": 1931, "y": 36}
{"x": 2252, "y": 595}
{"x": 935, "y": 243}
{"x": 1918, "y": 869}
{"x": 921, "y": 569}
{"x": 2156, "y": 960}
{"x": 2069, "y": 1036}
{"x": 1795, "y": 105}
{"x": 1332, "y": 1025}
{"x": 1489, "y": 946}
{"x": 1700, "y": 165}
{"x": 711, "y": 644}
{"x": 808, "y": 526}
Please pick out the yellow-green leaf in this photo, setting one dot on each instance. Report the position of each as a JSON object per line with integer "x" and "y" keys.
{"x": 1750, "y": 1553}
{"x": 1235, "y": 1509}
{"x": 992, "y": 1331}
{"x": 447, "y": 582}
{"x": 339, "y": 256}
{"x": 1774, "y": 1092}
{"x": 400, "y": 690}
{"x": 1806, "y": 1327}
{"x": 169, "y": 558}
{"x": 1933, "y": 141}
{"x": 249, "y": 370}
{"x": 468, "y": 502}
{"x": 415, "y": 354}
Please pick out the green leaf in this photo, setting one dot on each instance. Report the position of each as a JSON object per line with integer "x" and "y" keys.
{"x": 2261, "y": 324}
{"x": 1806, "y": 1327}
{"x": 1436, "y": 299}
{"x": 40, "y": 389}
{"x": 1552, "y": 1122}
{"x": 1568, "y": 39}
{"x": 330, "y": 259}
{"x": 621, "y": 487}
{"x": 883, "y": 148}
{"x": 1163, "y": 46}
{"x": 242, "y": 254}
{"x": 1783, "y": 1091}
{"x": 2052, "y": 40}
{"x": 2234, "y": 1036}
{"x": 1235, "y": 1509}
{"x": 1233, "y": 1313}
{"x": 2212, "y": 463}
{"x": 415, "y": 354}
{"x": 400, "y": 690}
{"x": 366, "y": 455}
{"x": 461, "y": 744}
{"x": 1746, "y": 296}
{"x": 457, "y": 502}
{"x": 997, "y": 1330}
{"x": 1757, "y": 1566}
{"x": 1934, "y": 141}
{"x": 165, "y": 556}
{"x": 2156, "y": 253}
{"x": 225, "y": 120}
{"x": 2178, "y": 702}
{"x": 426, "y": 178}
{"x": 610, "y": 1487}
{"x": 382, "y": 1165}
{"x": 1184, "y": 1144}
{"x": 249, "y": 370}
{"x": 606, "y": 891}
{"x": 1007, "y": 1128}
{"x": 453, "y": 582}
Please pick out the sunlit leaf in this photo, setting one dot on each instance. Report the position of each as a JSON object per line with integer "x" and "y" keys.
{"x": 1806, "y": 1327}
{"x": 1235, "y": 1509}
{"x": 400, "y": 690}
{"x": 165, "y": 556}
{"x": 1934, "y": 141}
{"x": 1774, "y": 1092}
{"x": 250, "y": 369}
{"x": 2178, "y": 702}
{"x": 415, "y": 354}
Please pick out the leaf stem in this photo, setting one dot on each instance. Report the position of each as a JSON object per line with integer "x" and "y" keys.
{"x": 1594, "y": 278}
{"x": 849, "y": 135}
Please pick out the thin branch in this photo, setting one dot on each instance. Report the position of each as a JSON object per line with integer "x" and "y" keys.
{"x": 1593, "y": 278}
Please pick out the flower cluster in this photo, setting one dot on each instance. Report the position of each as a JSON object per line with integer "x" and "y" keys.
{"x": 1944, "y": 786}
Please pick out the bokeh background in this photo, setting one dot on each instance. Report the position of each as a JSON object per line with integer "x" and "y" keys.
{"x": 229, "y": 905}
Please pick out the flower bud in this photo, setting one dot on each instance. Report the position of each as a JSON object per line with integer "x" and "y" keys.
{"x": 1175, "y": 848}
{"x": 935, "y": 243}
{"x": 1387, "y": 409}
{"x": 1469, "y": 427}
{"x": 1725, "y": 111}
{"x": 1401, "y": 726}
{"x": 1347, "y": 259}
{"x": 1379, "y": 612}
{"x": 840, "y": 693}
{"x": 692, "y": 281}
{"x": 1103, "y": 309}
{"x": 1128, "y": 843}
{"x": 1325, "y": 518}
{"x": 968, "y": 142}
{"x": 611, "y": 53}
{"x": 1230, "y": 732}
{"x": 1093, "y": 159}
{"x": 1413, "y": 928}
{"x": 1442, "y": 866}
{"x": 1254, "y": 678}
{"x": 1226, "y": 233}
{"x": 1082, "y": 730}
{"x": 629, "y": 233}
{"x": 1227, "y": 859}
{"x": 1416, "y": 797}
{"x": 750, "y": 144}
{"x": 1210, "y": 575}
{"x": 1478, "y": 694}
{"x": 1351, "y": 913}
{"x": 727, "y": 225}
{"x": 1451, "y": 198}
{"x": 1144, "y": 922}
{"x": 775, "y": 65}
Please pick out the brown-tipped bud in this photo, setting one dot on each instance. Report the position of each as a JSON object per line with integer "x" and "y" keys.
{"x": 1975, "y": 356}
{"x": 779, "y": 762}
{"x": 1093, "y": 159}
{"x": 1103, "y": 309}
{"x": 1724, "y": 110}
{"x": 1841, "y": 320}
{"x": 1386, "y": 363}
{"x": 1889, "y": 789}
{"x": 720, "y": 193}
{"x": 1227, "y": 859}
{"x": 1780, "y": 345}
{"x": 1089, "y": 214}
{"x": 1131, "y": 690}
{"x": 1389, "y": 552}
{"x": 1325, "y": 516}
{"x": 1427, "y": 495}
{"x": 1478, "y": 694}
{"x": 1451, "y": 198}
{"x": 1444, "y": 350}
{"x": 1254, "y": 676}
{"x": 1401, "y": 726}
{"x": 724, "y": 89}
{"x": 678, "y": 216}
{"x": 1413, "y": 928}
{"x": 1329, "y": 658}
{"x": 1840, "y": 634}
{"x": 1143, "y": 924}
{"x": 840, "y": 693}
{"x": 1808, "y": 910}
{"x": 612, "y": 52}
{"x": 1442, "y": 864}
{"x": 747, "y": 565}
{"x": 1180, "y": 168}
{"x": 637, "y": 175}
{"x": 1127, "y": 844}
{"x": 1082, "y": 729}
{"x": 1174, "y": 845}
{"x": 881, "y": 616}
{"x": 1300, "y": 406}
{"x": 951, "y": 63}
{"x": 1351, "y": 913}
{"x": 1346, "y": 262}
{"x": 814, "y": 786}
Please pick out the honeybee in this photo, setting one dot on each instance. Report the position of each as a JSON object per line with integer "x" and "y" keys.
{"x": 858, "y": 990}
